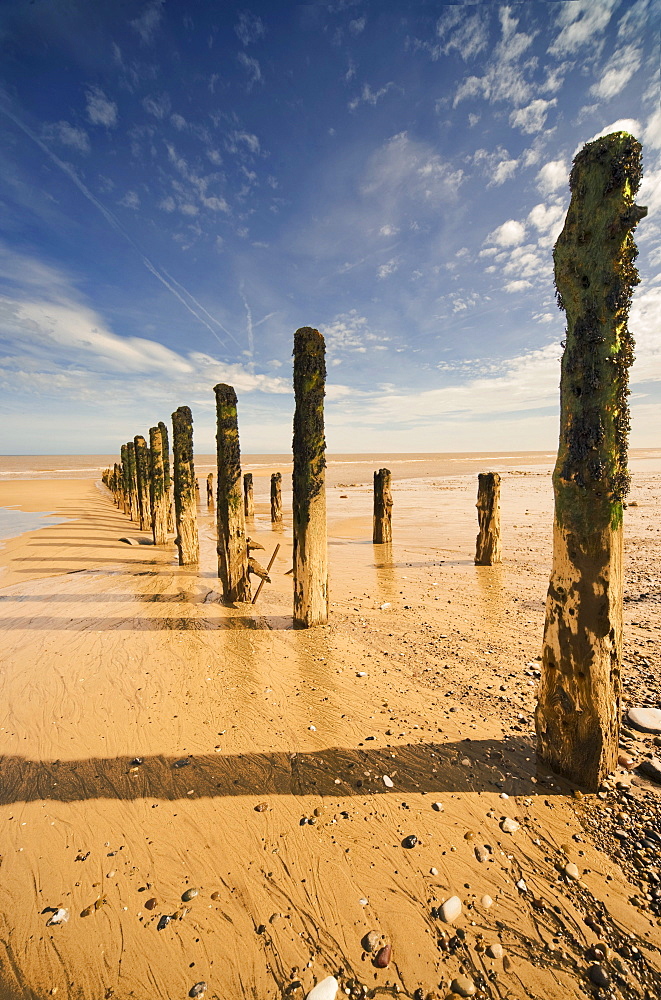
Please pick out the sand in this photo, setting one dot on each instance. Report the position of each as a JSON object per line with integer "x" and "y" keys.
{"x": 265, "y": 752}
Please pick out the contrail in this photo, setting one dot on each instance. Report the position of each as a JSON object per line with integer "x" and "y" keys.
{"x": 249, "y": 327}
{"x": 116, "y": 225}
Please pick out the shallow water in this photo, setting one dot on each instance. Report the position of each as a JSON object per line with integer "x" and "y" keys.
{"x": 15, "y": 522}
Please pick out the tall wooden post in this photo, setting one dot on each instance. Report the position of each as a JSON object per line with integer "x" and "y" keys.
{"x": 185, "y": 500}
{"x": 133, "y": 482}
{"x": 487, "y": 546}
{"x": 309, "y": 481}
{"x": 232, "y": 546}
{"x": 167, "y": 479}
{"x": 578, "y": 712}
{"x": 276, "y": 498}
{"x": 210, "y": 490}
{"x": 126, "y": 480}
{"x": 382, "y": 520}
{"x": 248, "y": 496}
{"x": 142, "y": 480}
{"x": 157, "y": 498}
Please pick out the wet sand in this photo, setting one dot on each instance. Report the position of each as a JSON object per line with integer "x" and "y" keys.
{"x": 246, "y": 728}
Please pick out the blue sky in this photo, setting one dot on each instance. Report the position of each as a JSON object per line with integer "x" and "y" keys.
{"x": 182, "y": 185}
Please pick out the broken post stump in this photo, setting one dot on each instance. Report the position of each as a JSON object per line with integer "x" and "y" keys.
{"x": 185, "y": 498}
{"x": 487, "y": 546}
{"x": 157, "y": 499}
{"x": 276, "y": 498}
{"x": 210, "y": 490}
{"x": 142, "y": 480}
{"x": 167, "y": 478}
{"x": 309, "y": 481}
{"x": 133, "y": 482}
{"x": 578, "y": 712}
{"x": 248, "y": 497}
{"x": 382, "y": 520}
{"x": 230, "y": 517}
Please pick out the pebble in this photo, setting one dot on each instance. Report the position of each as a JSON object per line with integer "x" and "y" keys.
{"x": 450, "y": 909}
{"x": 410, "y": 841}
{"x": 433, "y": 871}
{"x": 521, "y": 885}
{"x": 437, "y": 806}
{"x": 495, "y": 950}
{"x": 624, "y": 760}
{"x": 481, "y": 853}
{"x": 486, "y": 902}
{"x": 261, "y": 808}
{"x": 182, "y": 762}
{"x": 383, "y": 956}
{"x": 59, "y": 917}
{"x": 215, "y": 895}
{"x": 325, "y": 990}
{"x": 163, "y": 922}
{"x": 137, "y": 761}
{"x": 647, "y": 719}
{"x": 651, "y": 769}
{"x": 388, "y": 782}
{"x": 598, "y": 976}
{"x": 189, "y": 894}
{"x": 509, "y": 825}
{"x": 571, "y": 871}
{"x": 463, "y": 986}
{"x": 370, "y": 942}
{"x": 151, "y": 903}
{"x": 198, "y": 990}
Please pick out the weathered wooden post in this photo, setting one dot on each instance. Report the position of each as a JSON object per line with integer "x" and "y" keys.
{"x": 115, "y": 483}
{"x": 230, "y": 518}
{"x": 133, "y": 482}
{"x": 126, "y": 480}
{"x": 142, "y": 480}
{"x": 248, "y": 496}
{"x": 578, "y": 711}
{"x": 487, "y": 546}
{"x": 309, "y": 481}
{"x": 382, "y": 520}
{"x": 276, "y": 498}
{"x": 210, "y": 490}
{"x": 157, "y": 499}
{"x": 167, "y": 479}
{"x": 185, "y": 500}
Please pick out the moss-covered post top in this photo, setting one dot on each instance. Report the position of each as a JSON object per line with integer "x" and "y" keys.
{"x": 595, "y": 276}
{"x": 309, "y": 443}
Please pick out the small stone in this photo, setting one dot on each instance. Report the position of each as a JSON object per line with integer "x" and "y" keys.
{"x": 437, "y": 806}
{"x": 261, "y": 808}
{"x": 137, "y": 761}
{"x": 182, "y": 762}
{"x": 410, "y": 841}
{"x": 486, "y": 902}
{"x": 151, "y": 903}
{"x": 382, "y": 959}
{"x": 215, "y": 895}
{"x": 198, "y": 990}
{"x": 521, "y": 885}
{"x": 481, "y": 853}
{"x": 450, "y": 909}
{"x": 598, "y": 976}
{"x": 509, "y": 825}
{"x": 163, "y": 922}
{"x": 495, "y": 950}
{"x": 651, "y": 769}
{"x": 325, "y": 990}
{"x": 507, "y": 963}
{"x": 571, "y": 871}
{"x": 646, "y": 719}
{"x": 463, "y": 986}
{"x": 60, "y": 916}
{"x": 189, "y": 894}
{"x": 371, "y": 941}
{"x": 433, "y": 871}
{"x": 627, "y": 762}
{"x": 388, "y": 782}
{"x": 312, "y": 729}
{"x": 469, "y": 835}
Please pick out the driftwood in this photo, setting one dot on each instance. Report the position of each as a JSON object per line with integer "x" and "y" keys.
{"x": 578, "y": 712}
{"x": 487, "y": 546}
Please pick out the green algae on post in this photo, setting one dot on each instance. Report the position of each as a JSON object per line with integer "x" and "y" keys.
{"x": 382, "y": 519}
{"x": 126, "y": 480}
{"x": 185, "y": 498}
{"x": 142, "y": 480}
{"x": 167, "y": 479}
{"x": 157, "y": 496}
{"x": 487, "y": 545}
{"x": 276, "y": 498}
{"x": 578, "y": 712}
{"x": 133, "y": 482}
{"x": 309, "y": 480}
{"x": 230, "y": 517}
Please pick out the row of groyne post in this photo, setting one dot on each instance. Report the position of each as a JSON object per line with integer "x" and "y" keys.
{"x": 578, "y": 711}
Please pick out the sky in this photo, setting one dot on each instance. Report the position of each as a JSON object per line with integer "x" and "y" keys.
{"x": 184, "y": 184}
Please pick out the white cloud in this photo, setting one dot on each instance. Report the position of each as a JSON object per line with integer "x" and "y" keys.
{"x": 533, "y": 117}
{"x": 369, "y": 96}
{"x": 158, "y": 106}
{"x": 69, "y": 135}
{"x": 644, "y": 325}
{"x": 237, "y": 142}
{"x": 546, "y": 218}
{"x": 618, "y": 71}
{"x": 388, "y": 230}
{"x": 384, "y": 270}
{"x": 252, "y": 68}
{"x": 468, "y": 38}
{"x": 147, "y": 23}
{"x": 357, "y": 26}
{"x": 505, "y": 76}
{"x": 178, "y": 121}
{"x": 100, "y": 109}
{"x": 553, "y": 175}
{"x": 517, "y": 286}
{"x": 580, "y": 22}
{"x": 167, "y": 204}
{"x": 404, "y": 169}
{"x": 498, "y": 165}
{"x": 250, "y": 27}
{"x": 652, "y": 132}
{"x": 130, "y": 200}
{"x": 509, "y": 234}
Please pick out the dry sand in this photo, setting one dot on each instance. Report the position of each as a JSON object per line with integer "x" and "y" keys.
{"x": 246, "y": 729}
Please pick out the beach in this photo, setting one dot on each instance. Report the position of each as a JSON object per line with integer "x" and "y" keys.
{"x": 311, "y": 785}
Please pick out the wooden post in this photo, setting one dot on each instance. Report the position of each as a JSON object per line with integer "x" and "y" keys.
{"x": 382, "y": 521}
{"x": 309, "y": 481}
{"x": 248, "y": 497}
{"x": 578, "y": 711}
{"x": 210, "y": 490}
{"x": 487, "y": 546}
{"x": 276, "y": 498}
{"x": 232, "y": 545}
{"x": 157, "y": 499}
{"x": 126, "y": 480}
{"x": 142, "y": 479}
{"x": 185, "y": 499}
{"x": 167, "y": 479}
{"x": 133, "y": 482}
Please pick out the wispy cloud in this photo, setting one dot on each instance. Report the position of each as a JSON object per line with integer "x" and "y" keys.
{"x": 100, "y": 109}
{"x": 581, "y": 22}
{"x": 69, "y": 135}
{"x": 249, "y": 27}
{"x": 147, "y": 23}
{"x": 369, "y": 96}
{"x": 532, "y": 118}
{"x": 252, "y": 68}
